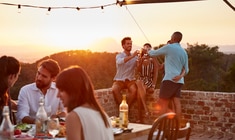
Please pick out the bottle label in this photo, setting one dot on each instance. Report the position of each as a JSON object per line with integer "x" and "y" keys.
{"x": 123, "y": 119}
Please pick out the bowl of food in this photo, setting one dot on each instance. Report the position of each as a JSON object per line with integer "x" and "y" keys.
{"x": 24, "y": 127}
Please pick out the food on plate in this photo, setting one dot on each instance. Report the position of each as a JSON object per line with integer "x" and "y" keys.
{"x": 24, "y": 127}
{"x": 62, "y": 131}
{"x": 17, "y": 132}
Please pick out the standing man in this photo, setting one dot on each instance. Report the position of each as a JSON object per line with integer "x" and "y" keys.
{"x": 125, "y": 75}
{"x": 28, "y": 100}
{"x": 176, "y": 67}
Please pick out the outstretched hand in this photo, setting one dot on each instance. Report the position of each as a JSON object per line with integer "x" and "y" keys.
{"x": 144, "y": 51}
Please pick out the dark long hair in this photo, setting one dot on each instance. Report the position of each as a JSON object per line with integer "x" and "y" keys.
{"x": 8, "y": 66}
{"x": 77, "y": 84}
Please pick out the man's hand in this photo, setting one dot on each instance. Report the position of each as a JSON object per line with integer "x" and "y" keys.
{"x": 136, "y": 52}
{"x": 177, "y": 78}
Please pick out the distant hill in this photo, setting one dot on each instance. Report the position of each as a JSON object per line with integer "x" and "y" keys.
{"x": 227, "y": 49}
{"x": 99, "y": 66}
{"x": 33, "y": 53}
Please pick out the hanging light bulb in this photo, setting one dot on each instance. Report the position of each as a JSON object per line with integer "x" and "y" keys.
{"x": 102, "y": 8}
{"x": 48, "y": 11}
{"x": 19, "y": 8}
{"x": 120, "y": 2}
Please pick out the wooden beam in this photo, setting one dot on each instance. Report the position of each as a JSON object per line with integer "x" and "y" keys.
{"x": 128, "y": 2}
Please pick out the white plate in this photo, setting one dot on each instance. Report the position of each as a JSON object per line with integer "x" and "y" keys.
{"x": 117, "y": 131}
{"x": 23, "y": 136}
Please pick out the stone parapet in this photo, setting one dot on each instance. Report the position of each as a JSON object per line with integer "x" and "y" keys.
{"x": 212, "y": 112}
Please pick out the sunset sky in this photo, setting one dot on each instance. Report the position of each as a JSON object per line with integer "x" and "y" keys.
{"x": 33, "y": 33}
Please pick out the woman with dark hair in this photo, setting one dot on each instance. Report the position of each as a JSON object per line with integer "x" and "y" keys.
{"x": 147, "y": 73}
{"x": 86, "y": 119}
{"x": 9, "y": 72}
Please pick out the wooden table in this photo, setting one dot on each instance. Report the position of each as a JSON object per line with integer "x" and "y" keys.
{"x": 140, "y": 131}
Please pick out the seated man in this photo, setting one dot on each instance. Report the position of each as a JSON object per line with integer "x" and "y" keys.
{"x": 28, "y": 100}
{"x": 125, "y": 75}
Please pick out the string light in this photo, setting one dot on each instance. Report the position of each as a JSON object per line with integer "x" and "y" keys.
{"x": 118, "y": 2}
{"x": 19, "y": 8}
{"x": 48, "y": 11}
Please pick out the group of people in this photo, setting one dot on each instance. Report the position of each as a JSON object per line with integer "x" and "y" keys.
{"x": 70, "y": 93}
{"x": 137, "y": 72}
{"x": 70, "y": 88}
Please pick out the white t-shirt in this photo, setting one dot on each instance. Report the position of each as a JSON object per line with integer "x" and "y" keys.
{"x": 93, "y": 125}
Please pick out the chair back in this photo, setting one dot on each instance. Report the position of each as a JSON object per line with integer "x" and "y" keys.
{"x": 185, "y": 132}
{"x": 165, "y": 127}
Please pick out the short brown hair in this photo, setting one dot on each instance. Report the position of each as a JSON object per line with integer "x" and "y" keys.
{"x": 124, "y": 40}
{"x": 51, "y": 65}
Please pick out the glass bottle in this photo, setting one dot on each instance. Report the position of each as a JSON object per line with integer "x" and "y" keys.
{"x": 41, "y": 120}
{"x": 123, "y": 113}
{"x": 6, "y": 128}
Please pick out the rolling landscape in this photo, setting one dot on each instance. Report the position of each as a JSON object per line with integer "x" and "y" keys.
{"x": 210, "y": 69}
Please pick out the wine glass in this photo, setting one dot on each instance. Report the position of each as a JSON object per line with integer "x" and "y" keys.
{"x": 53, "y": 126}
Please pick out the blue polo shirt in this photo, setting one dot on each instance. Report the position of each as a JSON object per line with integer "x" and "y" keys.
{"x": 176, "y": 59}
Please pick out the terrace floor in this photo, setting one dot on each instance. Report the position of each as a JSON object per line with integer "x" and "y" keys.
{"x": 206, "y": 136}
{"x": 196, "y": 136}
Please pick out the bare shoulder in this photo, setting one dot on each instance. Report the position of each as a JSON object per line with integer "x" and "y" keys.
{"x": 72, "y": 117}
{"x": 73, "y": 127}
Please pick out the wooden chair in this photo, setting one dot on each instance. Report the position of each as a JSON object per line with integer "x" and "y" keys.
{"x": 14, "y": 120}
{"x": 165, "y": 127}
{"x": 185, "y": 132}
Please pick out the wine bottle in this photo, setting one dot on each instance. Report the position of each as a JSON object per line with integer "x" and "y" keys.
{"x": 41, "y": 120}
{"x": 6, "y": 128}
{"x": 123, "y": 113}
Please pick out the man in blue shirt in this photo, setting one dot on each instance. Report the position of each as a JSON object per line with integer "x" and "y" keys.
{"x": 176, "y": 67}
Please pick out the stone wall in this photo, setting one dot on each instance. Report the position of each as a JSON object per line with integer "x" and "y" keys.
{"x": 212, "y": 112}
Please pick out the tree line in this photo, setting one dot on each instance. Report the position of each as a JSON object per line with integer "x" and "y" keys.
{"x": 210, "y": 70}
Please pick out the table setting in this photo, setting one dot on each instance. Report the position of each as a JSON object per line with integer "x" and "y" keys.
{"x": 132, "y": 131}
{"x": 55, "y": 128}
{"x": 116, "y": 126}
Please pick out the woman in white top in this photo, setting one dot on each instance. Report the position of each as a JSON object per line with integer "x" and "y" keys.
{"x": 86, "y": 119}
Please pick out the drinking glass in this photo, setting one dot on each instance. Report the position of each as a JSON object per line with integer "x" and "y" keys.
{"x": 53, "y": 126}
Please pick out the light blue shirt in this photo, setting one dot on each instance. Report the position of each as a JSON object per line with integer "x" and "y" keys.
{"x": 176, "y": 59}
{"x": 125, "y": 70}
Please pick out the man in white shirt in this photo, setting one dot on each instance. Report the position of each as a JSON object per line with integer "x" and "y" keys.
{"x": 28, "y": 100}
{"x": 125, "y": 75}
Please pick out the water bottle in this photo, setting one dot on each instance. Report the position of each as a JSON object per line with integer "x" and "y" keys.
{"x": 41, "y": 120}
{"x": 6, "y": 128}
